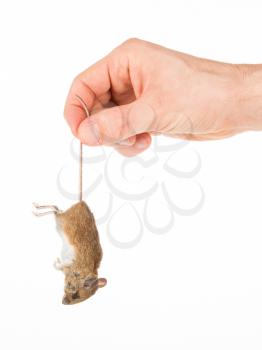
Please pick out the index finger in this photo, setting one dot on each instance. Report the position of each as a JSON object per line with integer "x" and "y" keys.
{"x": 92, "y": 85}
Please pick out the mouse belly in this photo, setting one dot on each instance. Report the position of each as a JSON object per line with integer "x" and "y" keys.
{"x": 67, "y": 252}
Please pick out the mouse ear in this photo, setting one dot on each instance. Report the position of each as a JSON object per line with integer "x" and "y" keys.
{"x": 101, "y": 282}
{"x": 90, "y": 282}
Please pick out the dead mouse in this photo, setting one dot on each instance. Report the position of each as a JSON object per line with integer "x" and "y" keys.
{"x": 82, "y": 253}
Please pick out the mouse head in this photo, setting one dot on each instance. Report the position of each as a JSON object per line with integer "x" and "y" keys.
{"x": 78, "y": 289}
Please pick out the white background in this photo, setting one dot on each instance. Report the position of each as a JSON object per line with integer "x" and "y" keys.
{"x": 198, "y": 286}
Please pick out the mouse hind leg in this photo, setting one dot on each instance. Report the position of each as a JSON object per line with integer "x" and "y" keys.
{"x": 40, "y": 209}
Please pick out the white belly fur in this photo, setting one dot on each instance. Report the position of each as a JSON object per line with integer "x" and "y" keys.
{"x": 68, "y": 252}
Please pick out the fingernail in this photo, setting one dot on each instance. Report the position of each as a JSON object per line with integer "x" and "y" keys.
{"x": 90, "y": 132}
{"x": 141, "y": 144}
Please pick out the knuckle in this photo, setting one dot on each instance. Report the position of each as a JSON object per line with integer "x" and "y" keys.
{"x": 76, "y": 80}
{"x": 132, "y": 42}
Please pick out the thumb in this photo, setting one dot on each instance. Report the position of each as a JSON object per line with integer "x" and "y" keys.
{"x": 112, "y": 125}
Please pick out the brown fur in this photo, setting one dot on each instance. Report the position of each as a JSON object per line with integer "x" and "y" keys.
{"x": 81, "y": 281}
{"x": 78, "y": 224}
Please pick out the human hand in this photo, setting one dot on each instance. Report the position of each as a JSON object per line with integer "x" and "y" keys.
{"x": 158, "y": 90}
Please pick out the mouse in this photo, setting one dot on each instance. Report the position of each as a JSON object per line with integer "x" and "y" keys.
{"x": 81, "y": 252}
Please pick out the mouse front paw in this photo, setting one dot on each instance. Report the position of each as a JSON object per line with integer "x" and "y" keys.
{"x": 58, "y": 264}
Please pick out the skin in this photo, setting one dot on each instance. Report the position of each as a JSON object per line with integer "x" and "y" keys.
{"x": 141, "y": 89}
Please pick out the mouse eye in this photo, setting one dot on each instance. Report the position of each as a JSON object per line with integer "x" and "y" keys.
{"x": 70, "y": 287}
{"x": 75, "y": 296}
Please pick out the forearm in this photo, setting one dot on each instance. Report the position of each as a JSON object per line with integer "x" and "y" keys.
{"x": 249, "y": 98}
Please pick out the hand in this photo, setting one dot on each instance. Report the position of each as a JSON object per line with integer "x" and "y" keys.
{"x": 157, "y": 90}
